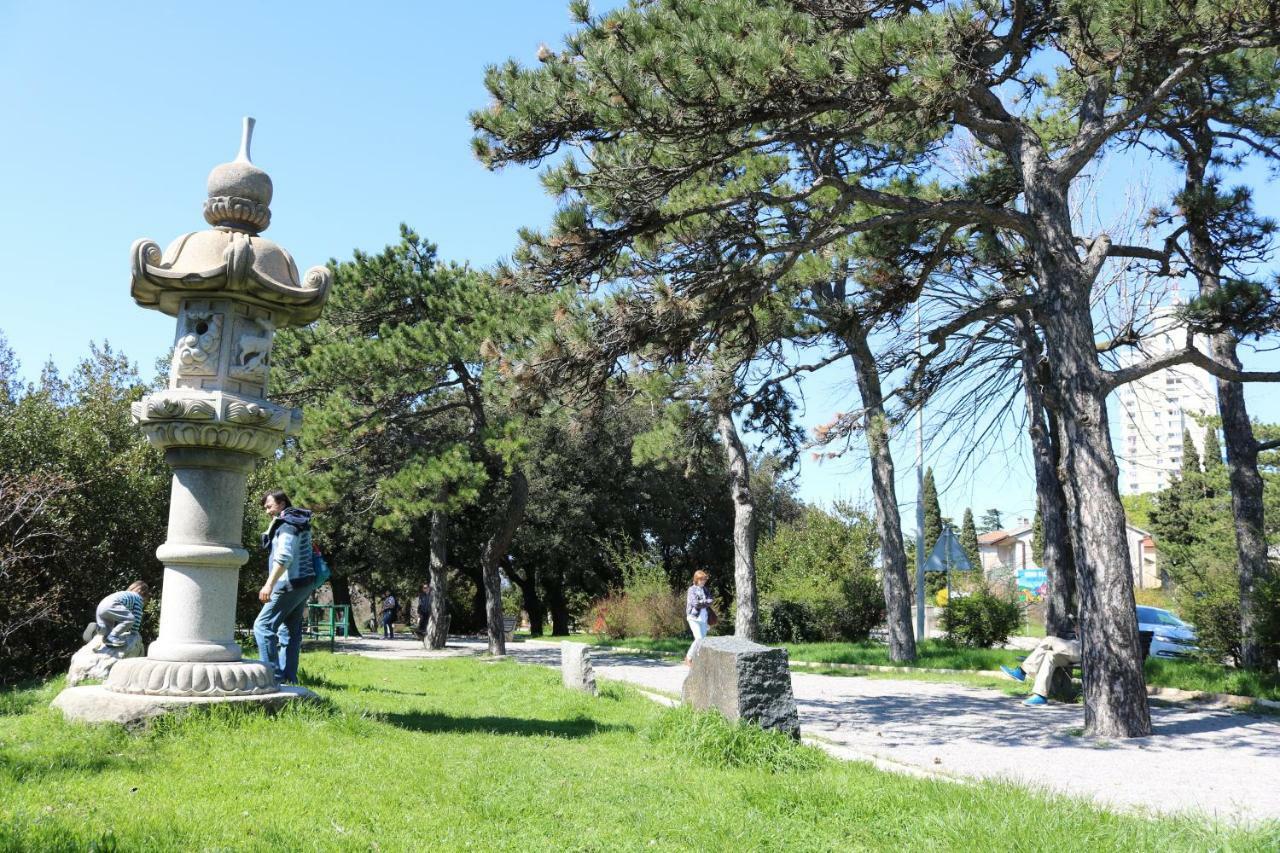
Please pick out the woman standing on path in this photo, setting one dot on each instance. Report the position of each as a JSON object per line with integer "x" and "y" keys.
{"x": 697, "y": 610}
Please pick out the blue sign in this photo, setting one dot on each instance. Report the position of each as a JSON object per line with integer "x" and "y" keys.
{"x": 1033, "y": 583}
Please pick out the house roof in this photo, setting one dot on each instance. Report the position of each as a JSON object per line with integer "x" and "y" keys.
{"x": 992, "y": 538}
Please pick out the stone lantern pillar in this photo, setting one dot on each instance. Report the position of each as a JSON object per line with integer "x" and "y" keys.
{"x": 229, "y": 290}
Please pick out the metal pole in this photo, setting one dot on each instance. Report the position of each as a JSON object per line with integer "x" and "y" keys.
{"x": 920, "y": 556}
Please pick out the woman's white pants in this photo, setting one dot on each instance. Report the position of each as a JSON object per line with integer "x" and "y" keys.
{"x": 699, "y": 629}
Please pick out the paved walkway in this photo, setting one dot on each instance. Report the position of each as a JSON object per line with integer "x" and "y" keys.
{"x": 1219, "y": 764}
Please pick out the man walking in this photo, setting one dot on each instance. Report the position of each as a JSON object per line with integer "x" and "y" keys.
{"x": 290, "y": 578}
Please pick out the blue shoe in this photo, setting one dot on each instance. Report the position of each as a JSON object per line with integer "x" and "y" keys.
{"x": 1014, "y": 672}
{"x": 1035, "y": 699}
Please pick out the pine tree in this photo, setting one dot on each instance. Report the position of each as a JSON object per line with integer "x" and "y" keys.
{"x": 969, "y": 540}
{"x": 1212, "y": 452}
{"x": 1190, "y": 458}
{"x": 991, "y": 521}
{"x": 932, "y": 513}
{"x": 721, "y": 153}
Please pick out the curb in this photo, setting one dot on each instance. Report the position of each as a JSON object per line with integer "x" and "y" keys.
{"x": 1171, "y": 695}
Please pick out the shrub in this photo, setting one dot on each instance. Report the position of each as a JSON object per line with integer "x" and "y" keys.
{"x": 646, "y": 606}
{"x": 784, "y": 621}
{"x": 1209, "y": 598}
{"x": 981, "y": 619}
{"x": 817, "y": 578}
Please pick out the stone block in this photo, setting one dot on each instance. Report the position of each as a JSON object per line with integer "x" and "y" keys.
{"x": 575, "y": 667}
{"x": 744, "y": 681}
{"x": 94, "y": 660}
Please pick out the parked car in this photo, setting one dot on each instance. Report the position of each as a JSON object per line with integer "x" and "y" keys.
{"x": 1170, "y": 636}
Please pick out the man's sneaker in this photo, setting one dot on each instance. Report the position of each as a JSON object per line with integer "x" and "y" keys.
{"x": 1035, "y": 699}
{"x": 1014, "y": 672}
{"x": 90, "y": 631}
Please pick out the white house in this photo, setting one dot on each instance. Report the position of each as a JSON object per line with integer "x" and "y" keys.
{"x": 1003, "y": 553}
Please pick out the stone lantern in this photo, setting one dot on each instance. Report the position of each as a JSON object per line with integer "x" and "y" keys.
{"x": 229, "y": 290}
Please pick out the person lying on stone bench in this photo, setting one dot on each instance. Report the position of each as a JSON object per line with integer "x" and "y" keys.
{"x": 119, "y": 616}
{"x": 1049, "y": 654}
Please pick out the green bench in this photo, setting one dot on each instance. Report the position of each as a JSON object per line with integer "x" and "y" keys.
{"x": 326, "y": 621}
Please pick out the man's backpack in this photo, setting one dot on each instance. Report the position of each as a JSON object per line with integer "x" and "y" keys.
{"x": 323, "y": 572}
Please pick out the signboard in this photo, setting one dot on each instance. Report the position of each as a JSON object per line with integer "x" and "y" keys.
{"x": 947, "y": 555}
{"x": 1033, "y": 583}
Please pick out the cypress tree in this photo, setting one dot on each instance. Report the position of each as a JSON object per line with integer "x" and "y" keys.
{"x": 1212, "y": 452}
{"x": 932, "y": 513}
{"x": 969, "y": 539}
{"x": 1190, "y": 458}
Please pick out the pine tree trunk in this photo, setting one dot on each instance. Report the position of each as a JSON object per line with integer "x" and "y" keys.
{"x": 897, "y": 588}
{"x": 341, "y": 586}
{"x": 438, "y": 622}
{"x": 1114, "y": 688}
{"x": 528, "y": 585}
{"x": 746, "y": 618}
{"x": 495, "y": 549}
{"x": 1246, "y": 507}
{"x": 1050, "y": 498}
{"x": 1242, "y": 447}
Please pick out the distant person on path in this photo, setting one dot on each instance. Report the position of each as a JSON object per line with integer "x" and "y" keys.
{"x": 1050, "y": 654}
{"x": 697, "y": 610}
{"x": 119, "y": 616}
{"x": 389, "y": 607}
{"x": 291, "y": 576}
{"x": 424, "y": 610}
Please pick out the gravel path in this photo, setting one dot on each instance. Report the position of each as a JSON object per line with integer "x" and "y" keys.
{"x": 1218, "y": 764}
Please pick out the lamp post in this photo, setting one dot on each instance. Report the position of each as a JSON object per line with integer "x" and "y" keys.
{"x": 229, "y": 289}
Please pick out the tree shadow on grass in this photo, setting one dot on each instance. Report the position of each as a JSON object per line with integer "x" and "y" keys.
{"x": 433, "y": 723}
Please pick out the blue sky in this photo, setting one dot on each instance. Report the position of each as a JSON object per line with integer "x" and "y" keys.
{"x": 114, "y": 114}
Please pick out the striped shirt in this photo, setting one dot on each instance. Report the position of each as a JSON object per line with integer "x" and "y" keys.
{"x": 131, "y": 601}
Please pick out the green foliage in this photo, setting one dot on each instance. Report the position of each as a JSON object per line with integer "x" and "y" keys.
{"x": 710, "y": 740}
{"x": 1190, "y": 456}
{"x": 932, "y": 512}
{"x": 991, "y": 520}
{"x": 1212, "y": 451}
{"x": 1138, "y": 508}
{"x": 981, "y": 619}
{"x": 646, "y": 605}
{"x": 1208, "y": 597}
{"x": 817, "y": 578}
{"x": 969, "y": 539}
{"x": 83, "y": 500}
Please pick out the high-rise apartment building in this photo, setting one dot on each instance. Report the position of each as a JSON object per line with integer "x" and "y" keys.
{"x": 1155, "y": 410}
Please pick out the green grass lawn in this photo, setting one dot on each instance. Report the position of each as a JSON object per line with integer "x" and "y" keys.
{"x": 465, "y": 754}
{"x": 936, "y": 654}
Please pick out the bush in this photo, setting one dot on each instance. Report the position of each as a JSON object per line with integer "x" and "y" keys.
{"x": 784, "y": 621}
{"x": 981, "y": 619}
{"x": 646, "y": 606}
{"x": 1209, "y": 598}
{"x": 817, "y": 578}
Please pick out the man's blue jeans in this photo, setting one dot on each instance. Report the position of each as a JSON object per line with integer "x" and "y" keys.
{"x": 278, "y": 629}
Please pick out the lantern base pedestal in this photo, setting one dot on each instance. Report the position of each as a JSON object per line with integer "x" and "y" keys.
{"x": 97, "y": 704}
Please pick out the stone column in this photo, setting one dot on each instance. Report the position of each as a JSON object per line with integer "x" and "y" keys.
{"x": 229, "y": 290}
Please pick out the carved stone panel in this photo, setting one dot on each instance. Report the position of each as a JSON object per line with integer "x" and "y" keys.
{"x": 198, "y": 345}
{"x": 251, "y": 350}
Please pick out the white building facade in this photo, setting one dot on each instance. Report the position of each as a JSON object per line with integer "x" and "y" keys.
{"x": 1154, "y": 411}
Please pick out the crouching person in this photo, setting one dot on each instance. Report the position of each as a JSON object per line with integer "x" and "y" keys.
{"x": 119, "y": 616}
{"x": 290, "y": 578}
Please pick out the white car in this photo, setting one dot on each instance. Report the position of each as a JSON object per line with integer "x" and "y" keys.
{"x": 1170, "y": 636}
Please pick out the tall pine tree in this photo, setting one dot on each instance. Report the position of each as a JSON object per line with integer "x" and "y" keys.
{"x": 969, "y": 539}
